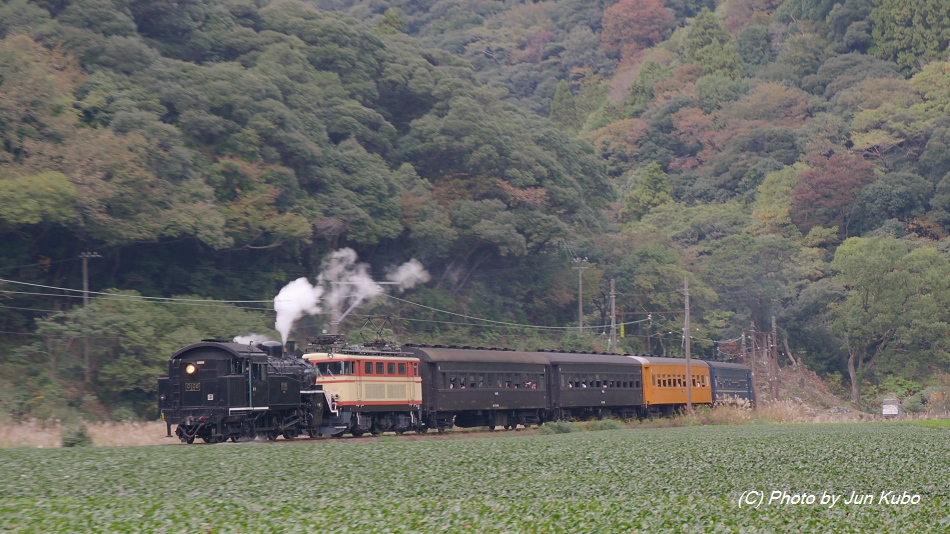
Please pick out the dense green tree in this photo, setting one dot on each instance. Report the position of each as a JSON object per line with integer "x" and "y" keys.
{"x": 710, "y": 46}
{"x": 130, "y": 340}
{"x": 896, "y": 195}
{"x": 650, "y": 278}
{"x": 563, "y": 108}
{"x": 897, "y": 297}
{"x": 750, "y": 273}
{"x": 651, "y": 191}
{"x": 932, "y": 84}
{"x": 390, "y": 23}
{"x": 754, "y": 44}
{"x": 806, "y": 320}
{"x": 911, "y": 32}
{"x": 101, "y": 16}
{"x": 47, "y": 198}
{"x": 772, "y": 209}
{"x": 935, "y": 159}
{"x": 713, "y": 90}
{"x": 842, "y": 72}
{"x": 641, "y": 90}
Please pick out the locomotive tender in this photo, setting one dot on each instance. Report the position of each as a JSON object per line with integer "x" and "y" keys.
{"x": 219, "y": 390}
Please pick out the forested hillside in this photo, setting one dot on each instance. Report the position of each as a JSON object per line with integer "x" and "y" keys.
{"x": 789, "y": 158}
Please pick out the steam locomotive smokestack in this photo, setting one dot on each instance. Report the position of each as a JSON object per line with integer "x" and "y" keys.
{"x": 272, "y": 348}
{"x": 289, "y": 349}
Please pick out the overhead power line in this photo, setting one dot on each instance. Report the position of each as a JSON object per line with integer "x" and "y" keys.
{"x": 117, "y": 295}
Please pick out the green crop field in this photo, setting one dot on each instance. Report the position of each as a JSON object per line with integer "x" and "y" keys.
{"x": 644, "y": 480}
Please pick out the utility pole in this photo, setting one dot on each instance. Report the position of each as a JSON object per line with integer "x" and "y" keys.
{"x": 686, "y": 334}
{"x": 774, "y": 359}
{"x": 87, "y": 377}
{"x": 612, "y": 342}
{"x": 745, "y": 361}
{"x": 580, "y": 265}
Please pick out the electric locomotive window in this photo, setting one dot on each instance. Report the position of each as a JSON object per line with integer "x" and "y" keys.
{"x": 368, "y": 368}
{"x": 379, "y": 368}
{"x": 391, "y": 368}
{"x": 402, "y": 369}
{"x": 415, "y": 369}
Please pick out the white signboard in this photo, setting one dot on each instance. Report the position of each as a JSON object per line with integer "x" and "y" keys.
{"x": 890, "y": 407}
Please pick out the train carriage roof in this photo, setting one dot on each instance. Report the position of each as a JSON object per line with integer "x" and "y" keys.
{"x": 660, "y": 360}
{"x": 468, "y": 354}
{"x": 558, "y": 358}
{"x": 230, "y": 349}
{"x": 728, "y": 365}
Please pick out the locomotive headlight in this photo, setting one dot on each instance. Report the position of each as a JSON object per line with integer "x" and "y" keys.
{"x": 191, "y": 369}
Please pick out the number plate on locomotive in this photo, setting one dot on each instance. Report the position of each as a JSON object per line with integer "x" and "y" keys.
{"x": 192, "y": 386}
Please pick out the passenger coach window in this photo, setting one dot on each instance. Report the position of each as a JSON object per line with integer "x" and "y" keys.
{"x": 368, "y": 368}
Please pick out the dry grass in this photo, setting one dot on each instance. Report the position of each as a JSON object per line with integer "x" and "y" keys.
{"x": 775, "y": 412}
{"x": 49, "y": 434}
{"x": 128, "y": 434}
{"x": 32, "y": 433}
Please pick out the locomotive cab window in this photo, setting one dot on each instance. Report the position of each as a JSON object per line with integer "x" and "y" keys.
{"x": 391, "y": 368}
{"x": 258, "y": 371}
{"x": 379, "y": 368}
{"x": 368, "y": 368}
{"x": 401, "y": 369}
{"x": 335, "y": 368}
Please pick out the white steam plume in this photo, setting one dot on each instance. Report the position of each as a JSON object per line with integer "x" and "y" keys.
{"x": 348, "y": 283}
{"x": 409, "y": 274}
{"x": 294, "y": 300}
{"x": 251, "y": 339}
{"x": 343, "y": 283}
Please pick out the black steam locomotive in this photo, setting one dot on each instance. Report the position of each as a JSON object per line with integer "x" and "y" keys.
{"x": 216, "y": 390}
{"x": 219, "y": 390}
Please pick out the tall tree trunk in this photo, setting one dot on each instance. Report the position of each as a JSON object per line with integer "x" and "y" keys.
{"x": 853, "y": 375}
{"x": 789, "y": 352}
